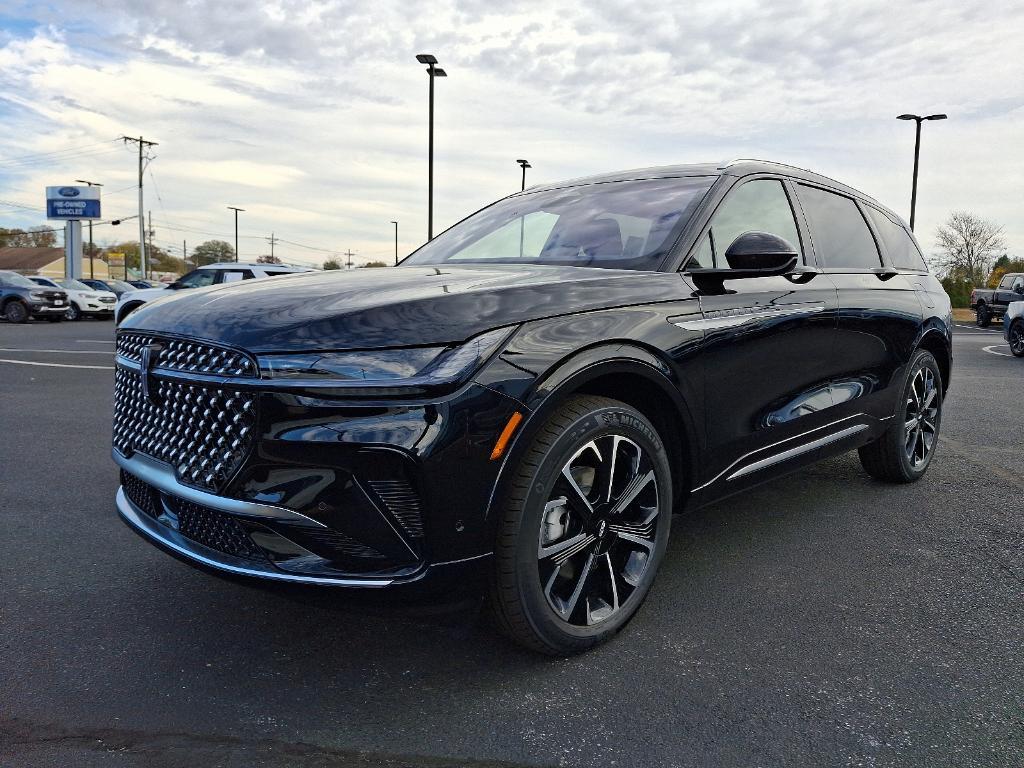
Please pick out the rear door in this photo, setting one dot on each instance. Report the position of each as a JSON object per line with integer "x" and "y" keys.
{"x": 767, "y": 349}
{"x": 880, "y": 313}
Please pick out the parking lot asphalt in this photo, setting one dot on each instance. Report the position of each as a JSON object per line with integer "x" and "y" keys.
{"x": 823, "y": 619}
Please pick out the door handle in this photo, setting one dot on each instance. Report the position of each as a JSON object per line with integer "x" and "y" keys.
{"x": 802, "y": 274}
{"x": 885, "y": 273}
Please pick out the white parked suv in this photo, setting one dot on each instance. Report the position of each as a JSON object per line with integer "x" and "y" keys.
{"x": 83, "y": 301}
{"x": 208, "y": 274}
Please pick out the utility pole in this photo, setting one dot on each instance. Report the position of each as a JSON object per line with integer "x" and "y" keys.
{"x": 271, "y": 240}
{"x": 184, "y": 254}
{"x": 149, "y": 248}
{"x": 396, "y": 242}
{"x": 91, "y": 184}
{"x": 349, "y": 254}
{"x": 142, "y": 222}
{"x": 236, "y": 210}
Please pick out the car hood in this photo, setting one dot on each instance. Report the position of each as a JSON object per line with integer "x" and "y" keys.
{"x": 395, "y": 306}
{"x": 144, "y": 294}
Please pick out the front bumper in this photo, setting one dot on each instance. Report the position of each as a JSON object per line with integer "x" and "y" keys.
{"x": 44, "y": 310}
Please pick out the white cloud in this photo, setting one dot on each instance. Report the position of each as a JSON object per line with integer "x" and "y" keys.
{"x": 312, "y": 116}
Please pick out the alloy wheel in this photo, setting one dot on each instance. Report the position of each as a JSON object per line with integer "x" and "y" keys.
{"x": 598, "y": 530}
{"x": 1017, "y": 338}
{"x": 921, "y": 418}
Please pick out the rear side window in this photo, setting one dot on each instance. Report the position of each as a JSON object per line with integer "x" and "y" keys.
{"x": 841, "y": 236}
{"x": 235, "y": 275}
{"x": 897, "y": 241}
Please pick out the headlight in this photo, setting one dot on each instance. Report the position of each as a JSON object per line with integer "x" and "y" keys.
{"x": 404, "y": 370}
{"x": 89, "y": 296}
{"x": 39, "y": 295}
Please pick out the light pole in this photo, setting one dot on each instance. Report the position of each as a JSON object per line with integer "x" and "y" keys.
{"x": 917, "y": 152}
{"x": 91, "y": 184}
{"x": 396, "y": 242}
{"x": 236, "y": 210}
{"x": 432, "y": 71}
{"x": 525, "y": 164}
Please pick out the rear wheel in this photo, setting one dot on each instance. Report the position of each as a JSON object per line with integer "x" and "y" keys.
{"x": 16, "y": 312}
{"x": 1016, "y": 337}
{"x": 903, "y": 453}
{"x": 984, "y": 316}
{"x": 584, "y": 527}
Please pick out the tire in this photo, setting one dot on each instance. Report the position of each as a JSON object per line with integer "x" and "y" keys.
{"x": 595, "y": 458}
{"x": 73, "y": 313}
{"x": 127, "y": 311}
{"x": 893, "y": 457}
{"x": 17, "y": 312}
{"x": 1016, "y": 338}
{"x": 984, "y": 316}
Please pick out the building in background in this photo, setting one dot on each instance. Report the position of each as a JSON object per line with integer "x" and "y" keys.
{"x": 49, "y": 262}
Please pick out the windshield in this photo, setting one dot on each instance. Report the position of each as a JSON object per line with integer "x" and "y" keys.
{"x": 120, "y": 285}
{"x": 15, "y": 280}
{"x": 620, "y": 225}
{"x": 73, "y": 285}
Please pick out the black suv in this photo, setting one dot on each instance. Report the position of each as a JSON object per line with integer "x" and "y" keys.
{"x": 522, "y": 404}
{"x": 21, "y": 299}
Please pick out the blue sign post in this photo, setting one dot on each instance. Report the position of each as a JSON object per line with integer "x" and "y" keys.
{"x": 73, "y": 204}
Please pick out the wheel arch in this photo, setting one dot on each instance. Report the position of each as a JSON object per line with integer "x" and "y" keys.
{"x": 625, "y": 372}
{"x": 935, "y": 341}
{"x": 126, "y": 310}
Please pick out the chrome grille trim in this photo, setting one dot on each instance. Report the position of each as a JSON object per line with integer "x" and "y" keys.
{"x": 186, "y": 355}
{"x": 204, "y": 433}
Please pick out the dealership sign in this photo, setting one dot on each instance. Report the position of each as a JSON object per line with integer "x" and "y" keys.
{"x": 72, "y": 202}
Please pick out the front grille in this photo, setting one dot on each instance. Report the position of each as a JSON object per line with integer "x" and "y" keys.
{"x": 202, "y": 525}
{"x": 205, "y": 433}
{"x": 183, "y": 355}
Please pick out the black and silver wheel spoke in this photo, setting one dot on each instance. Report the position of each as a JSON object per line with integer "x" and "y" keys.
{"x": 921, "y": 417}
{"x": 599, "y": 530}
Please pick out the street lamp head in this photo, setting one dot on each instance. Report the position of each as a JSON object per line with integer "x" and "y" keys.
{"x": 936, "y": 117}
{"x": 524, "y": 163}
{"x": 438, "y": 72}
{"x": 90, "y": 183}
{"x": 907, "y": 117}
{"x": 394, "y": 222}
{"x": 426, "y": 58}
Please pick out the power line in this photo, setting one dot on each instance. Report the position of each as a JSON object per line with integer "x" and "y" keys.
{"x": 57, "y": 151}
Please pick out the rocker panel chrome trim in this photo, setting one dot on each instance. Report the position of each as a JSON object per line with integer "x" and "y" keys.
{"x": 798, "y": 450}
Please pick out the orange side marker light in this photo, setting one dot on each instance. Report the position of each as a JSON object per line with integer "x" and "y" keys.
{"x": 506, "y": 435}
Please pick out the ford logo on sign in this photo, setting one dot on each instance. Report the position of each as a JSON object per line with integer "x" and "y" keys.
{"x": 68, "y": 192}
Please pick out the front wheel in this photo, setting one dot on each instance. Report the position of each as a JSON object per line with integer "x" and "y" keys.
{"x": 903, "y": 453}
{"x": 73, "y": 313}
{"x": 583, "y": 529}
{"x": 1016, "y": 337}
{"x": 17, "y": 312}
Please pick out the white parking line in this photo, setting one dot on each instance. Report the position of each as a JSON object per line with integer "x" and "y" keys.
{"x": 57, "y": 365}
{"x": 991, "y": 349}
{"x": 63, "y": 351}
{"x": 93, "y": 341}
{"x": 976, "y": 329}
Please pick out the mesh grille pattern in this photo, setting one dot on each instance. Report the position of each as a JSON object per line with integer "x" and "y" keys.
{"x": 214, "y": 529}
{"x": 182, "y": 355}
{"x": 402, "y": 501}
{"x": 204, "y": 433}
{"x": 139, "y": 493}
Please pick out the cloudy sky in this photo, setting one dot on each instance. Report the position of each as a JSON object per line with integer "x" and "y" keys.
{"x": 313, "y": 115}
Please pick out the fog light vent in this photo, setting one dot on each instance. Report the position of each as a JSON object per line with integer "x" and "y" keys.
{"x": 403, "y": 503}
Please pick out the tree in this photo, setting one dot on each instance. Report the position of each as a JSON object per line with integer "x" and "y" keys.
{"x": 1003, "y": 265}
{"x": 967, "y": 245}
{"x": 267, "y": 260}
{"x": 212, "y": 251}
{"x": 332, "y": 264}
{"x": 33, "y": 237}
{"x": 373, "y": 264}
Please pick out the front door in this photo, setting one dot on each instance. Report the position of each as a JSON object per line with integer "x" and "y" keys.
{"x": 768, "y": 349}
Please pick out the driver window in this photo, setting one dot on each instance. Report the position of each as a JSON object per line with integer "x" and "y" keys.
{"x": 198, "y": 278}
{"x": 1018, "y": 285}
{"x": 757, "y": 206}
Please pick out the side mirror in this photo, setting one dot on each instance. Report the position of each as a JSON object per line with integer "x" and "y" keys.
{"x": 1018, "y": 289}
{"x": 754, "y": 254}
